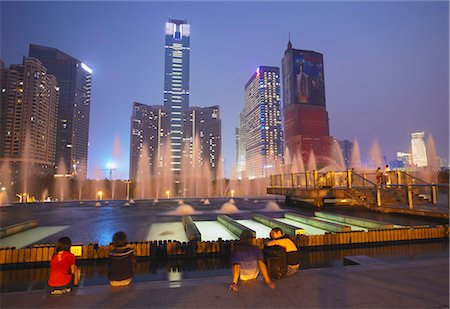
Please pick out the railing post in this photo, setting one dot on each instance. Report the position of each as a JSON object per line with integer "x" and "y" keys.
{"x": 349, "y": 179}
{"x": 378, "y": 196}
{"x": 399, "y": 177}
{"x": 332, "y": 179}
{"x": 281, "y": 180}
{"x": 364, "y": 180}
{"x": 307, "y": 176}
{"x": 292, "y": 179}
{"x": 410, "y": 196}
{"x": 316, "y": 179}
{"x": 433, "y": 194}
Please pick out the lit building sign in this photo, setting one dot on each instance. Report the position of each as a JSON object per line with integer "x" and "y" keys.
{"x": 86, "y": 68}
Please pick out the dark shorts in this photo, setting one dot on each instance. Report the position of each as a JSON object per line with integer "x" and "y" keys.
{"x": 68, "y": 285}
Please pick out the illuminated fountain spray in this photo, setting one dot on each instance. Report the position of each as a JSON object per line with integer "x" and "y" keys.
{"x": 143, "y": 175}
{"x": 61, "y": 182}
{"x": 375, "y": 157}
{"x": 5, "y": 183}
{"x": 355, "y": 160}
{"x": 429, "y": 173}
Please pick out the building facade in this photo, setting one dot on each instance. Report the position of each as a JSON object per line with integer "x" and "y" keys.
{"x": 202, "y": 141}
{"x": 176, "y": 83}
{"x": 418, "y": 148}
{"x": 74, "y": 80}
{"x": 346, "y": 148}
{"x": 150, "y": 133}
{"x": 261, "y": 128}
{"x": 150, "y": 138}
{"x": 28, "y": 116}
{"x": 305, "y": 118}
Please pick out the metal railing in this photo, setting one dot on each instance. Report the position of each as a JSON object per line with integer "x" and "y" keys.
{"x": 390, "y": 185}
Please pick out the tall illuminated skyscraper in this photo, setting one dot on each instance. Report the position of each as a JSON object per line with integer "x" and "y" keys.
{"x": 419, "y": 152}
{"x": 176, "y": 83}
{"x": 261, "y": 129}
{"x": 305, "y": 117}
{"x": 28, "y": 110}
{"x": 72, "y": 131}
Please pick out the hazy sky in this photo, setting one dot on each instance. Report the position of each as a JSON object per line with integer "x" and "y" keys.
{"x": 386, "y": 63}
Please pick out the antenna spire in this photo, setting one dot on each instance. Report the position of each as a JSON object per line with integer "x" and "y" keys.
{"x": 289, "y": 40}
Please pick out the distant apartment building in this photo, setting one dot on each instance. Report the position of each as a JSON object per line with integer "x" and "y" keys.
{"x": 405, "y": 158}
{"x": 419, "y": 151}
{"x": 74, "y": 79}
{"x": 150, "y": 137}
{"x": 204, "y": 124}
{"x": 28, "y": 115}
{"x": 150, "y": 131}
{"x": 346, "y": 148}
{"x": 260, "y": 130}
{"x": 176, "y": 83}
{"x": 305, "y": 117}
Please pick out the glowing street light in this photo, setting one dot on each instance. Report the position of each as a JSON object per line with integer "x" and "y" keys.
{"x": 232, "y": 193}
{"x": 168, "y": 193}
{"x": 100, "y": 195}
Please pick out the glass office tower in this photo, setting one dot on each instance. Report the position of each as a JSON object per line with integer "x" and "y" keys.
{"x": 176, "y": 83}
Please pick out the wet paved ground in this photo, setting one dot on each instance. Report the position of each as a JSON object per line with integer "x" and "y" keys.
{"x": 422, "y": 283}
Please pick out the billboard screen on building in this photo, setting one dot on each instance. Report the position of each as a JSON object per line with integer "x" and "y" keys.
{"x": 305, "y": 78}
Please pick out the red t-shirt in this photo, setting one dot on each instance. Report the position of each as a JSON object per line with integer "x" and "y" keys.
{"x": 60, "y": 268}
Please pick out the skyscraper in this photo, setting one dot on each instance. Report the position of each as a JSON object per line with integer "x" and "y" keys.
{"x": 419, "y": 151}
{"x": 176, "y": 83}
{"x": 204, "y": 124}
{"x": 28, "y": 110}
{"x": 261, "y": 129}
{"x": 150, "y": 130}
{"x": 72, "y": 131}
{"x": 305, "y": 118}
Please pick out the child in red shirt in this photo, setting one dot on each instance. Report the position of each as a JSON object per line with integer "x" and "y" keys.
{"x": 63, "y": 271}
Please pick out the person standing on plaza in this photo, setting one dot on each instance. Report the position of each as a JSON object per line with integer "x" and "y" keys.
{"x": 387, "y": 176}
{"x": 247, "y": 261}
{"x": 379, "y": 174}
{"x": 121, "y": 261}
{"x": 64, "y": 274}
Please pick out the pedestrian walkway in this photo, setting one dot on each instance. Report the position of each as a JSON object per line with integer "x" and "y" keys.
{"x": 404, "y": 284}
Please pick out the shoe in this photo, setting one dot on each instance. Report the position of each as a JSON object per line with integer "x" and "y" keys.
{"x": 57, "y": 292}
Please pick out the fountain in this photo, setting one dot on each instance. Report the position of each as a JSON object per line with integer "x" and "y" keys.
{"x": 5, "y": 182}
{"x": 355, "y": 160}
{"x": 375, "y": 157}
{"x": 228, "y": 208}
{"x": 61, "y": 181}
{"x": 183, "y": 210}
{"x": 272, "y": 206}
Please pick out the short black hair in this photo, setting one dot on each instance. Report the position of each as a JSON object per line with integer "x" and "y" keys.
{"x": 119, "y": 239}
{"x": 246, "y": 237}
{"x": 277, "y": 229}
{"x": 63, "y": 244}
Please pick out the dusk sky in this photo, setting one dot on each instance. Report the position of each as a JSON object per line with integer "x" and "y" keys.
{"x": 386, "y": 63}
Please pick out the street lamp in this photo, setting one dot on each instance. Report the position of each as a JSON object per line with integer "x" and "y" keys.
{"x": 100, "y": 195}
{"x": 128, "y": 182}
{"x": 111, "y": 167}
{"x": 168, "y": 193}
{"x": 232, "y": 193}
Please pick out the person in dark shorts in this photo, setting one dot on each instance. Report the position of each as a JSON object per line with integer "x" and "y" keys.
{"x": 247, "y": 261}
{"x": 121, "y": 261}
{"x": 277, "y": 238}
{"x": 64, "y": 274}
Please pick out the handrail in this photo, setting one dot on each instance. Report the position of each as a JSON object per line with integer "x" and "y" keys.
{"x": 363, "y": 178}
{"x": 414, "y": 177}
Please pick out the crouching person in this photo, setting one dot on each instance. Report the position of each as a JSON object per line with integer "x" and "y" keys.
{"x": 121, "y": 261}
{"x": 247, "y": 261}
{"x": 64, "y": 274}
{"x": 277, "y": 238}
